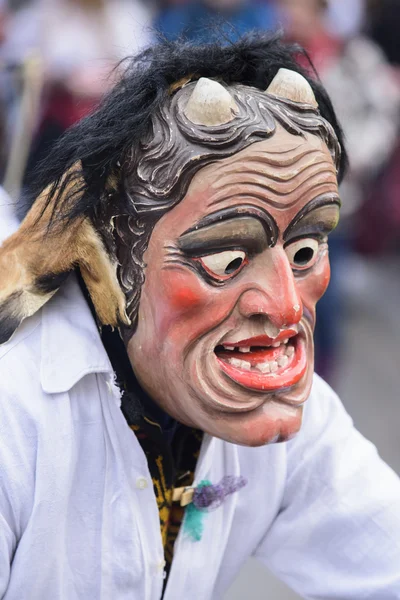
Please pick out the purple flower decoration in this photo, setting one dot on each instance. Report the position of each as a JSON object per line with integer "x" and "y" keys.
{"x": 206, "y": 497}
{"x": 211, "y": 496}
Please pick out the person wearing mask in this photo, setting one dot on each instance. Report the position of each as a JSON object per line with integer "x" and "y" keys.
{"x": 160, "y": 418}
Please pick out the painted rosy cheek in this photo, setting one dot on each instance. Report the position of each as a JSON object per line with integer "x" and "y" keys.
{"x": 176, "y": 298}
{"x": 322, "y": 277}
{"x": 184, "y": 293}
{"x": 313, "y": 286}
{"x": 185, "y": 298}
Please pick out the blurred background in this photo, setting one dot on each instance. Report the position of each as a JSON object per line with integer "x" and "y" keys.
{"x": 56, "y": 57}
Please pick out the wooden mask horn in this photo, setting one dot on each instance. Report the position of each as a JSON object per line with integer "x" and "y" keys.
{"x": 210, "y": 104}
{"x": 292, "y": 86}
{"x": 34, "y": 263}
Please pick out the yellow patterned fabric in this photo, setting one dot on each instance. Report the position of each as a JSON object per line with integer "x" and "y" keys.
{"x": 170, "y": 465}
{"x": 171, "y": 449}
{"x": 176, "y": 515}
{"x": 164, "y": 498}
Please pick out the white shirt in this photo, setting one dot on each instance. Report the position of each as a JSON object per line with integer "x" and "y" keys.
{"x": 78, "y": 515}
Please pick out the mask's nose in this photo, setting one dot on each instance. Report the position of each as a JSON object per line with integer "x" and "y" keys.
{"x": 274, "y": 293}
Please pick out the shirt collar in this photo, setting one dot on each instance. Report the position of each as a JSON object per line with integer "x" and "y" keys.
{"x": 71, "y": 346}
{"x": 71, "y": 343}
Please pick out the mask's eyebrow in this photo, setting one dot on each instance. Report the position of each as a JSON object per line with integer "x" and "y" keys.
{"x": 238, "y": 226}
{"x": 319, "y": 216}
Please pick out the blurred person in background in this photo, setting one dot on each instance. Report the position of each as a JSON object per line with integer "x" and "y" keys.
{"x": 383, "y": 25}
{"x": 79, "y": 43}
{"x": 382, "y": 205}
{"x": 197, "y": 19}
{"x": 345, "y": 17}
{"x": 366, "y": 98}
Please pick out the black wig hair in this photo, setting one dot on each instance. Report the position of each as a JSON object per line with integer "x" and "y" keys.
{"x": 106, "y": 142}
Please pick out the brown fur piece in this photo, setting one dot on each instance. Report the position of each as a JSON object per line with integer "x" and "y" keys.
{"x": 36, "y": 259}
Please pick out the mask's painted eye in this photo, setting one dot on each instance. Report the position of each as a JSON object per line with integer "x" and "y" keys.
{"x": 303, "y": 253}
{"x": 224, "y": 264}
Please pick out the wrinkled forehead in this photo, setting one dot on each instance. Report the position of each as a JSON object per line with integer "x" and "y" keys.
{"x": 284, "y": 168}
{"x": 279, "y": 176}
{"x": 205, "y": 121}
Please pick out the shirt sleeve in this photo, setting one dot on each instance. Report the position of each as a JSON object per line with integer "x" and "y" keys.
{"x": 10, "y": 478}
{"x": 337, "y": 534}
{"x": 7, "y": 546}
{"x": 18, "y": 446}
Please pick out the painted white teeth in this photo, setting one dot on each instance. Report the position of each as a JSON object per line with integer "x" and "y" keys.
{"x": 240, "y": 364}
{"x": 245, "y": 365}
{"x": 283, "y": 361}
{"x": 273, "y": 366}
{"x": 228, "y": 348}
{"x": 264, "y": 367}
{"x": 286, "y": 341}
{"x": 235, "y": 362}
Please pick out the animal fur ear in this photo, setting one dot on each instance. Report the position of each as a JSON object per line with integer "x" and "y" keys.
{"x": 36, "y": 259}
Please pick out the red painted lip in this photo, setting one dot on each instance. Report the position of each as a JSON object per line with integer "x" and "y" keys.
{"x": 283, "y": 378}
{"x": 262, "y": 340}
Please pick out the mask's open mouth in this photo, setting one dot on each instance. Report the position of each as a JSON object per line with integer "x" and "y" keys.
{"x": 279, "y": 364}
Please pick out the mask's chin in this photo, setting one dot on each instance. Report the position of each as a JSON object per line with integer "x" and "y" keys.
{"x": 250, "y": 416}
{"x": 195, "y": 389}
{"x": 270, "y": 423}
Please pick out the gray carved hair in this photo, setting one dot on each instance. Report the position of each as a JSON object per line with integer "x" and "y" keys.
{"x": 163, "y": 164}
